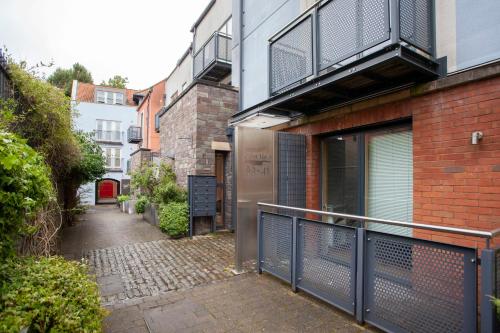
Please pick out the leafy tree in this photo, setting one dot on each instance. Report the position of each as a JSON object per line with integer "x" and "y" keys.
{"x": 63, "y": 78}
{"x": 116, "y": 81}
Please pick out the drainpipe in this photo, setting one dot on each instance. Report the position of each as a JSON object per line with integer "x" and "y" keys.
{"x": 240, "y": 94}
{"x": 147, "y": 119}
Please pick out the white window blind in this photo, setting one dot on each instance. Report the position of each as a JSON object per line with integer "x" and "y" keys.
{"x": 113, "y": 158}
{"x": 100, "y": 97}
{"x": 389, "y": 184}
{"x": 118, "y": 98}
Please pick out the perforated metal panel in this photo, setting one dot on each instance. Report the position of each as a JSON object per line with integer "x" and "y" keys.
{"x": 209, "y": 52}
{"x": 347, "y": 27}
{"x": 276, "y": 245}
{"x": 291, "y": 170}
{"x": 224, "y": 48}
{"x": 291, "y": 56}
{"x": 198, "y": 63}
{"x": 415, "y": 23}
{"x": 413, "y": 285}
{"x": 326, "y": 260}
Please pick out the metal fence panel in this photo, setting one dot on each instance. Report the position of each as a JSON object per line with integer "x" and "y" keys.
{"x": 416, "y": 23}
{"x": 224, "y": 48}
{"x": 414, "y": 285}
{"x": 291, "y": 170}
{"x": 326, "y": 262}
{"x": 291, "y": 56}
{"x": 209, "y": 51}
{"x": 348, "y": 27}
{"x": 198, "y": 63}
{"x": 276, "y": 245}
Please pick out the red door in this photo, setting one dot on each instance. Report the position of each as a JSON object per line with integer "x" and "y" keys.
{"x": 105, "y": 190}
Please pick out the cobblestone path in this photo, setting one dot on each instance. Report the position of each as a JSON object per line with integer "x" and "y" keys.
{"x": 146, "y": 269}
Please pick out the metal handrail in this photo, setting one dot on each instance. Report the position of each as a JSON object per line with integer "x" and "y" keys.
{"x": 459, "y": 231}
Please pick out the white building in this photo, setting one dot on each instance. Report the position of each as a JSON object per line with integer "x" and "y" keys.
{"x": 108, "y": 112}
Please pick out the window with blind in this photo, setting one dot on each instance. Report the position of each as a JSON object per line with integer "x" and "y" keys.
{"x": 389, "y": 178}
{"x": 113, "y": 158}
{"x": 370, "y": 173}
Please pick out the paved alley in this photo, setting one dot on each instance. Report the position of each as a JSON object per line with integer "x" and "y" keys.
{"x": 151, "y": 283}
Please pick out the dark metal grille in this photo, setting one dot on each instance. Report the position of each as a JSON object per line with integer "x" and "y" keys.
{"x": 291, "y": 56}
{"x": 276, "y": 245}
{"x": 292, "y": 170}
{"x": 348, "y": 27}
{"x": 416, "y": 24}
{"x": 419, "y": 286}
{"x": 326, "y": 261}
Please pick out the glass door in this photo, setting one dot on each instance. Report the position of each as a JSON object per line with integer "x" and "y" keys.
{"x": 342, "y": 174}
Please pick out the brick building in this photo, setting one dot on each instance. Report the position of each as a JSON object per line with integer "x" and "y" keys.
{"x": 388, "y": 119}
{"x": 200, "y": 99}
{"x": 145, "y": 133}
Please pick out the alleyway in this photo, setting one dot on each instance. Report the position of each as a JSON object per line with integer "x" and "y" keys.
{"x": 153, "y": 284}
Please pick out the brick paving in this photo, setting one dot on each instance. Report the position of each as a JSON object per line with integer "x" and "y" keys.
{"x": 147, "y": 269}
{"x": 154, "y": 284}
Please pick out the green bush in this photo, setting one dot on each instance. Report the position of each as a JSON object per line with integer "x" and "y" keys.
{"x": 168, "y": 192}
{"x": 122, "y": 198}
{"x": 25, "y": 187}
{"x": 140, "y": 205}
{"x": 49, "y": 295}
{"x": 174, "y": 218}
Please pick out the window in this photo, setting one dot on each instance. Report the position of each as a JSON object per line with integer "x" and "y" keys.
{"x": 370, "y": 173}
{"x": 113, "y": 158}
{"x": 108, "y": 130}
{"x": 227, "y": 27}
{"x": 100, "y": 97}
{"x": 109, "y": 97}
{"x": 119, "y": 98}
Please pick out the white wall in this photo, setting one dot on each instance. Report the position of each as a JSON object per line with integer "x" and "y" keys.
{"x": 88, "y": 113}
{"x": 183, "y": 73}
{"x": 213, "y": 20}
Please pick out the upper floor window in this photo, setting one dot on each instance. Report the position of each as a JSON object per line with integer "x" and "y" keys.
{"x": 227, "y": 28}
{"x": 113, "y": 158}
{"x": 108, "y": 130}
{"x": 109, "y": 97}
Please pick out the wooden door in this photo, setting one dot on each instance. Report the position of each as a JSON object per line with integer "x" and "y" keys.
{"x": 219, "y": 174}
{"x": 106, "y": 189}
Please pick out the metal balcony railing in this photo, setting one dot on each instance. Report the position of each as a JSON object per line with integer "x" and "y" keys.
{"x": 214, "y": 58}
{"x": 134, "y": 134}
{"x": 335, "y": 33}
{"x": 108, "y": 136}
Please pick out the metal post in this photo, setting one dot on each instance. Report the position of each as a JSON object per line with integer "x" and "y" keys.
{"x": 259, "y": 241}
{"x": 394, "y": 21}
{"x": 360, "y": 265}
{"x": 293, "y": 265}
{"x": 488, "y": 319}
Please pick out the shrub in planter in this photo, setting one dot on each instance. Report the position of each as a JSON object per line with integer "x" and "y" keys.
{"x": 49, "y": 295}
{"x": 122, "y": 198}
{"x": 174, "y": 218}
{"x": 140, "y": 205}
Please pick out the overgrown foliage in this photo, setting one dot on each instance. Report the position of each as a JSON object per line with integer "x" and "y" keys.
{"x": 63, "y": 78}
{"x": 116, "y": 81}
{"x": 140, "y": 205}
{"x": 49, "y": 295}
{"x": 174, "y": 219}
{"x": 25, "y": 188}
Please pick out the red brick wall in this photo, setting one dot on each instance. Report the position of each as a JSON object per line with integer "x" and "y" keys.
{"x": 150, "y": 138}
{"x": 455, "y": 183}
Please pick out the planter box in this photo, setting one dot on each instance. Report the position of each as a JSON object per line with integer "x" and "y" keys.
{"x": 151, "y": 214}
{"x": 131, "y": 207}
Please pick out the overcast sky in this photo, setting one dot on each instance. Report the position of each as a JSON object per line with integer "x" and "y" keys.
{"x": 140, "y": 39}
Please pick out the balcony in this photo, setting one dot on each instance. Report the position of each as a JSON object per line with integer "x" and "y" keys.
{"x": 108, "y": 136}
{"x": 213, "y": 61}
{"x": 340, "y": 52}
{"x": 134, "y": 134}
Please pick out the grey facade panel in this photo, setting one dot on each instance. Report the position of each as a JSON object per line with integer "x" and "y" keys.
{"x": 261, "y": 20}
{"x": 478, "y": 30}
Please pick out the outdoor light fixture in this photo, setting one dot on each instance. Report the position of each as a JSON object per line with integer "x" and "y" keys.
{"x": 476, "y": 136}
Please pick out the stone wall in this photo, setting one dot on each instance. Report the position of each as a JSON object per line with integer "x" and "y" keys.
{"x": 188, "y": 128}
{"x": 139, "y": 157}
